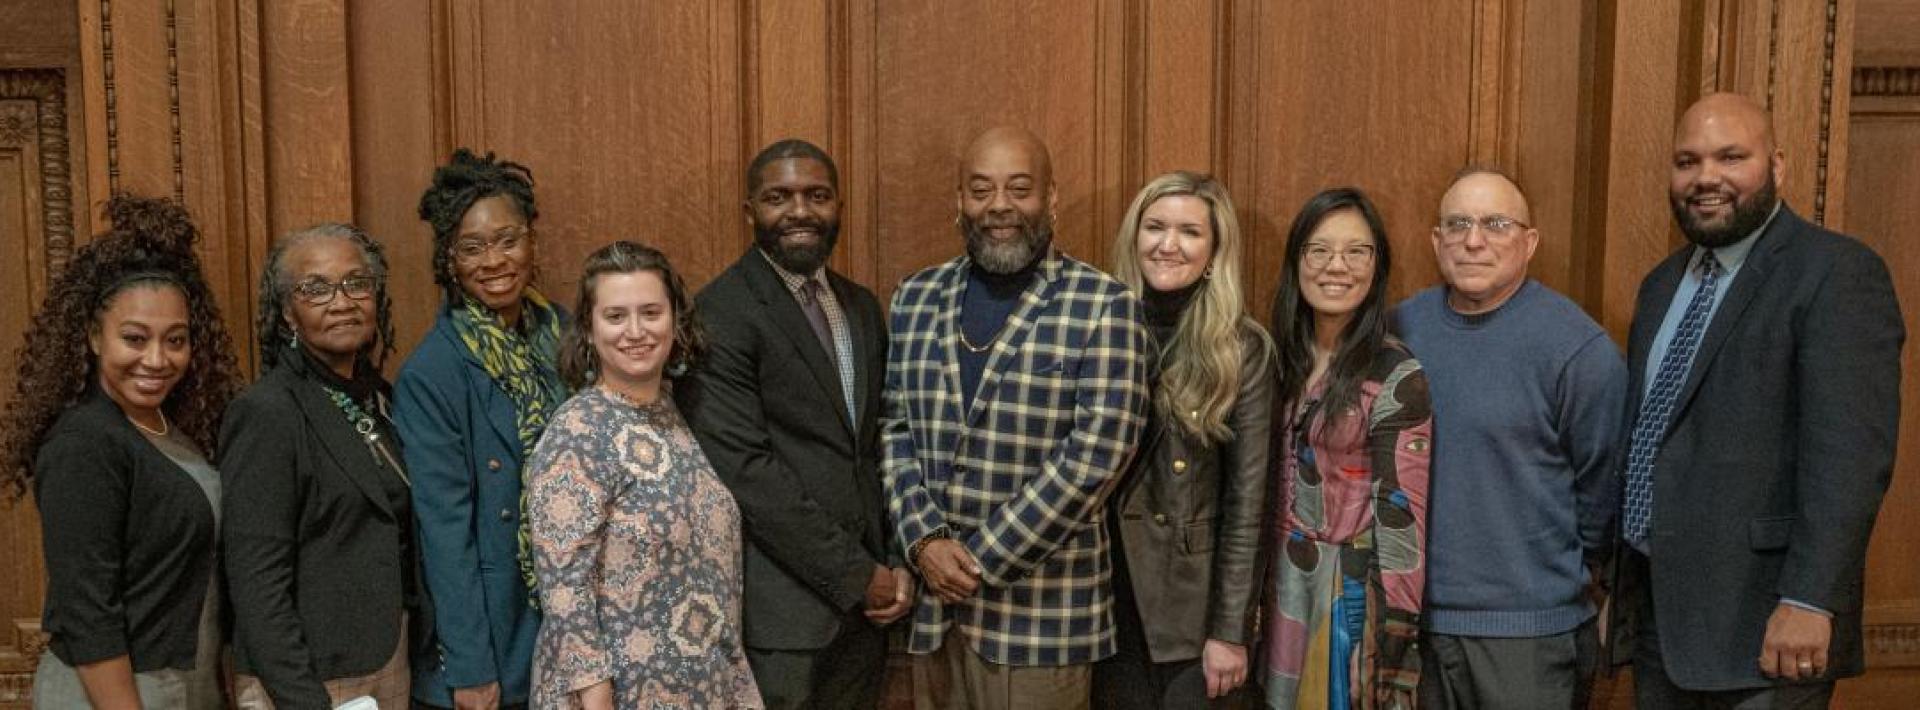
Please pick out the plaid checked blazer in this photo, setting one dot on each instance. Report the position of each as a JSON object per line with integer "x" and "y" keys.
{"x": 1021, "y": 478}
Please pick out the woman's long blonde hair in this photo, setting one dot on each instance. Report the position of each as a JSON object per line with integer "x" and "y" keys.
{"x": 1200, "y": 366}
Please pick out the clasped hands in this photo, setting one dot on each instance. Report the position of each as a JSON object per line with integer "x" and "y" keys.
{"x": 950, "y": 571}
{"x": 889, "y": 595}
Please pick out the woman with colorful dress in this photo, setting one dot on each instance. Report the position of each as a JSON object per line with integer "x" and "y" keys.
{"x": 470, "y": 403}
{"x": 636, "y": 542}
{"x": 1355, "y": 437}
{"x": 320, "y": 541}
{"x": 1186, "y": 517}
{"x": 124, "y": 375}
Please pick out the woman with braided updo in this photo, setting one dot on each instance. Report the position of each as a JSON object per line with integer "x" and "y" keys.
{"x": 319, "y": 535}
{"x": 470, "y": 402}
{"x": 123, "y": 377}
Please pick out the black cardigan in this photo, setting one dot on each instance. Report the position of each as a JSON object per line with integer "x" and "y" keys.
{"x": 314, "y": 560}
{"x": 128, "y": 539}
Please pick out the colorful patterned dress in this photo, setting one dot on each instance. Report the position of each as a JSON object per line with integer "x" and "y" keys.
{"x": 637, "y": 548}
{"x": 1343, "y": 606}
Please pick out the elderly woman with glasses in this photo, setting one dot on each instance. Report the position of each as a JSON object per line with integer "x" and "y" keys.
{"x": 1356, "y": 434}
{"x": 470, "y": 402}
{"x": 319, "y": 517}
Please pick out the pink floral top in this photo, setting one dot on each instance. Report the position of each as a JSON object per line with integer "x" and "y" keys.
{"x": 637, "y": 547}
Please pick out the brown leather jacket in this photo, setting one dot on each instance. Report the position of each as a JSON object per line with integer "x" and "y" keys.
{"x": 1190, "y": 520}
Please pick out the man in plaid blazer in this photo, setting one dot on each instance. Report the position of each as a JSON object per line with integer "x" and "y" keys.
{"x": 1016, "y": 391}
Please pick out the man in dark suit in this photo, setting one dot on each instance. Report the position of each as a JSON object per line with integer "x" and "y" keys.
{"x": 786, "y": 406}
{"x": 1765, "y": 397}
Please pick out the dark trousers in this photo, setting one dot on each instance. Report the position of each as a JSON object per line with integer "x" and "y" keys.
{"x": 1653, "y": 690}
{"x": 850, "y": 672}
{"x": 1484, "y": 673}
{"x": 1131, "y": 680}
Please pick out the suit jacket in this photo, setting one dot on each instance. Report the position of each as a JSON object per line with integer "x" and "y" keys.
{"x": 1777, "y": 454}
{"x": 1190, "y": 518}
{"x": 462, "y": 437}
{"x": 1021, "y": 476}
{"x": 129, "y": 541}
{"x": 767, "y": 406}
{"x": 312, "y": 543}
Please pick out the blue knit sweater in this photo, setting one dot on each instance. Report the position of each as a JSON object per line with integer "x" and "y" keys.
{"x": 1527, "y": 403}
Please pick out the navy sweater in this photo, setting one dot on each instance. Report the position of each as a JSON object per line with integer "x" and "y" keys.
{"x": 1527, "y": 403}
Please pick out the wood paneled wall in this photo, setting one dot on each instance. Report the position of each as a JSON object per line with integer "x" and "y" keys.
{"x": 637, "y": 119}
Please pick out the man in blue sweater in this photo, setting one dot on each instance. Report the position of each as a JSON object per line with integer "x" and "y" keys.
{"x": 1527, "y": 396}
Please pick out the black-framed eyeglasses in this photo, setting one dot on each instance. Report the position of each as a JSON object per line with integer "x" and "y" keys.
{"x": 1455, "y": 229}
{"x": 1319, "y": 256}
{"x": 508, "y": 241}
{"x": 320, "y": 292}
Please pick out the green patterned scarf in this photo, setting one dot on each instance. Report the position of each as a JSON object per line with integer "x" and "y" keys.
{"x": 524, "y": 365}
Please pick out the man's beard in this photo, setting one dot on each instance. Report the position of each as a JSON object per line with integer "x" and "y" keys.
{"x": 1006, "y": 257}
{"x": 799, "y": 259}
{"x": 1748, "y": 215}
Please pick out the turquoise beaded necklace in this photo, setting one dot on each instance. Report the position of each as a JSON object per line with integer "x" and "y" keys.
{"x": 364, "y": 425}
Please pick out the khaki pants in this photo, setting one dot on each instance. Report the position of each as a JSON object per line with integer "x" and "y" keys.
{"x": 389, "y": 686}
{"x": 956, "y": 678}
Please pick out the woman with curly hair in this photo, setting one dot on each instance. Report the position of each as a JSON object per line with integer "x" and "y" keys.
{"x": 1187, "y": 528}
{"x": 319, "y": 513}
{"x": 123, "y": 378}
{"x": 470, "y": 403}
{"x": 636, "y": 541}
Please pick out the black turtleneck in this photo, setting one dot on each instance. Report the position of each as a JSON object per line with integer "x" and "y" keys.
{"x": 1163, "y": 309}
{"x": 989, "y": 300}
{"x": 361, "y": 387}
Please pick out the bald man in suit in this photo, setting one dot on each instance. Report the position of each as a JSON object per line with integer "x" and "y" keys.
{"x": 1764, "y": 400}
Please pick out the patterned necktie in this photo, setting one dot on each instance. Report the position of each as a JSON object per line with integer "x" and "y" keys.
{"x": 823, "y": 329}
{"x": 1650, "y": 426}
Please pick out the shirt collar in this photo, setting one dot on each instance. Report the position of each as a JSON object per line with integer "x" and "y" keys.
{"x": 794, "y": 281}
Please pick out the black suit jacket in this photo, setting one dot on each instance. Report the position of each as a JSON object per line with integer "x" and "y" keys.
{"x": 767, "y": 408}
{"x": 1778, "y": 452}
{"x": 312, "y": 543}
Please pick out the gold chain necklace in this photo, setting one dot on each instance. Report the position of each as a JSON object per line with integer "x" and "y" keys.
{"x": 165, "y": 426}
{"x": 977, "y": 349}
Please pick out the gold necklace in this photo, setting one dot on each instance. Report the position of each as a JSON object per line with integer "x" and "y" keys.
{"x": 165, "y": 426}
{"x": 977, "y": 349}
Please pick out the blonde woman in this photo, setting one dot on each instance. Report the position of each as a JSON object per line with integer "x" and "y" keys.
{"x": 1187, "y": 514}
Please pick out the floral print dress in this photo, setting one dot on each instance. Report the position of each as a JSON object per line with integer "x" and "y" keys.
{"x": 1343, "y": 610}
{"x": 637, "y": 547}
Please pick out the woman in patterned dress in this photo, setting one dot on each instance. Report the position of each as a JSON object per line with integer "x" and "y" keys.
{"x": 636, "y": 542}
{"x": 1355, "y": 435}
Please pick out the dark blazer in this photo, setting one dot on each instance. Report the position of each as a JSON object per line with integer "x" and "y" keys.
{"x": 462, "y": 437}
{"x": 129, "y": 540}
{"x": 1190, "y": 519}
{"x": 767, "y": 408}
{"x": 1777, "y": 454}
{"x": 313, "y": 557}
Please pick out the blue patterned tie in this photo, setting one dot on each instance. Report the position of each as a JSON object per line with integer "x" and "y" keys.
{"x": 1651, "y": 424}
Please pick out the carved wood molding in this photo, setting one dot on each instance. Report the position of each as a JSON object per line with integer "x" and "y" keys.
{"x": 16, "y": 674}
{"x": 1826, "y": 110}
{"x": 1893, "y": 645}
{"x": 112, "y": 100}
{"x": 1886, "y": 81}
{"x": 47, "y": 89}
{"x": 113, "y": 104}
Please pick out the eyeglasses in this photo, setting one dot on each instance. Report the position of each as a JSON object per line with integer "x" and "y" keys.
{"x": 319, "y": 292}
{"x": 1454, "y": 230}
{"x": 1319, "y": 256}
{"x": 508, "y": 241}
